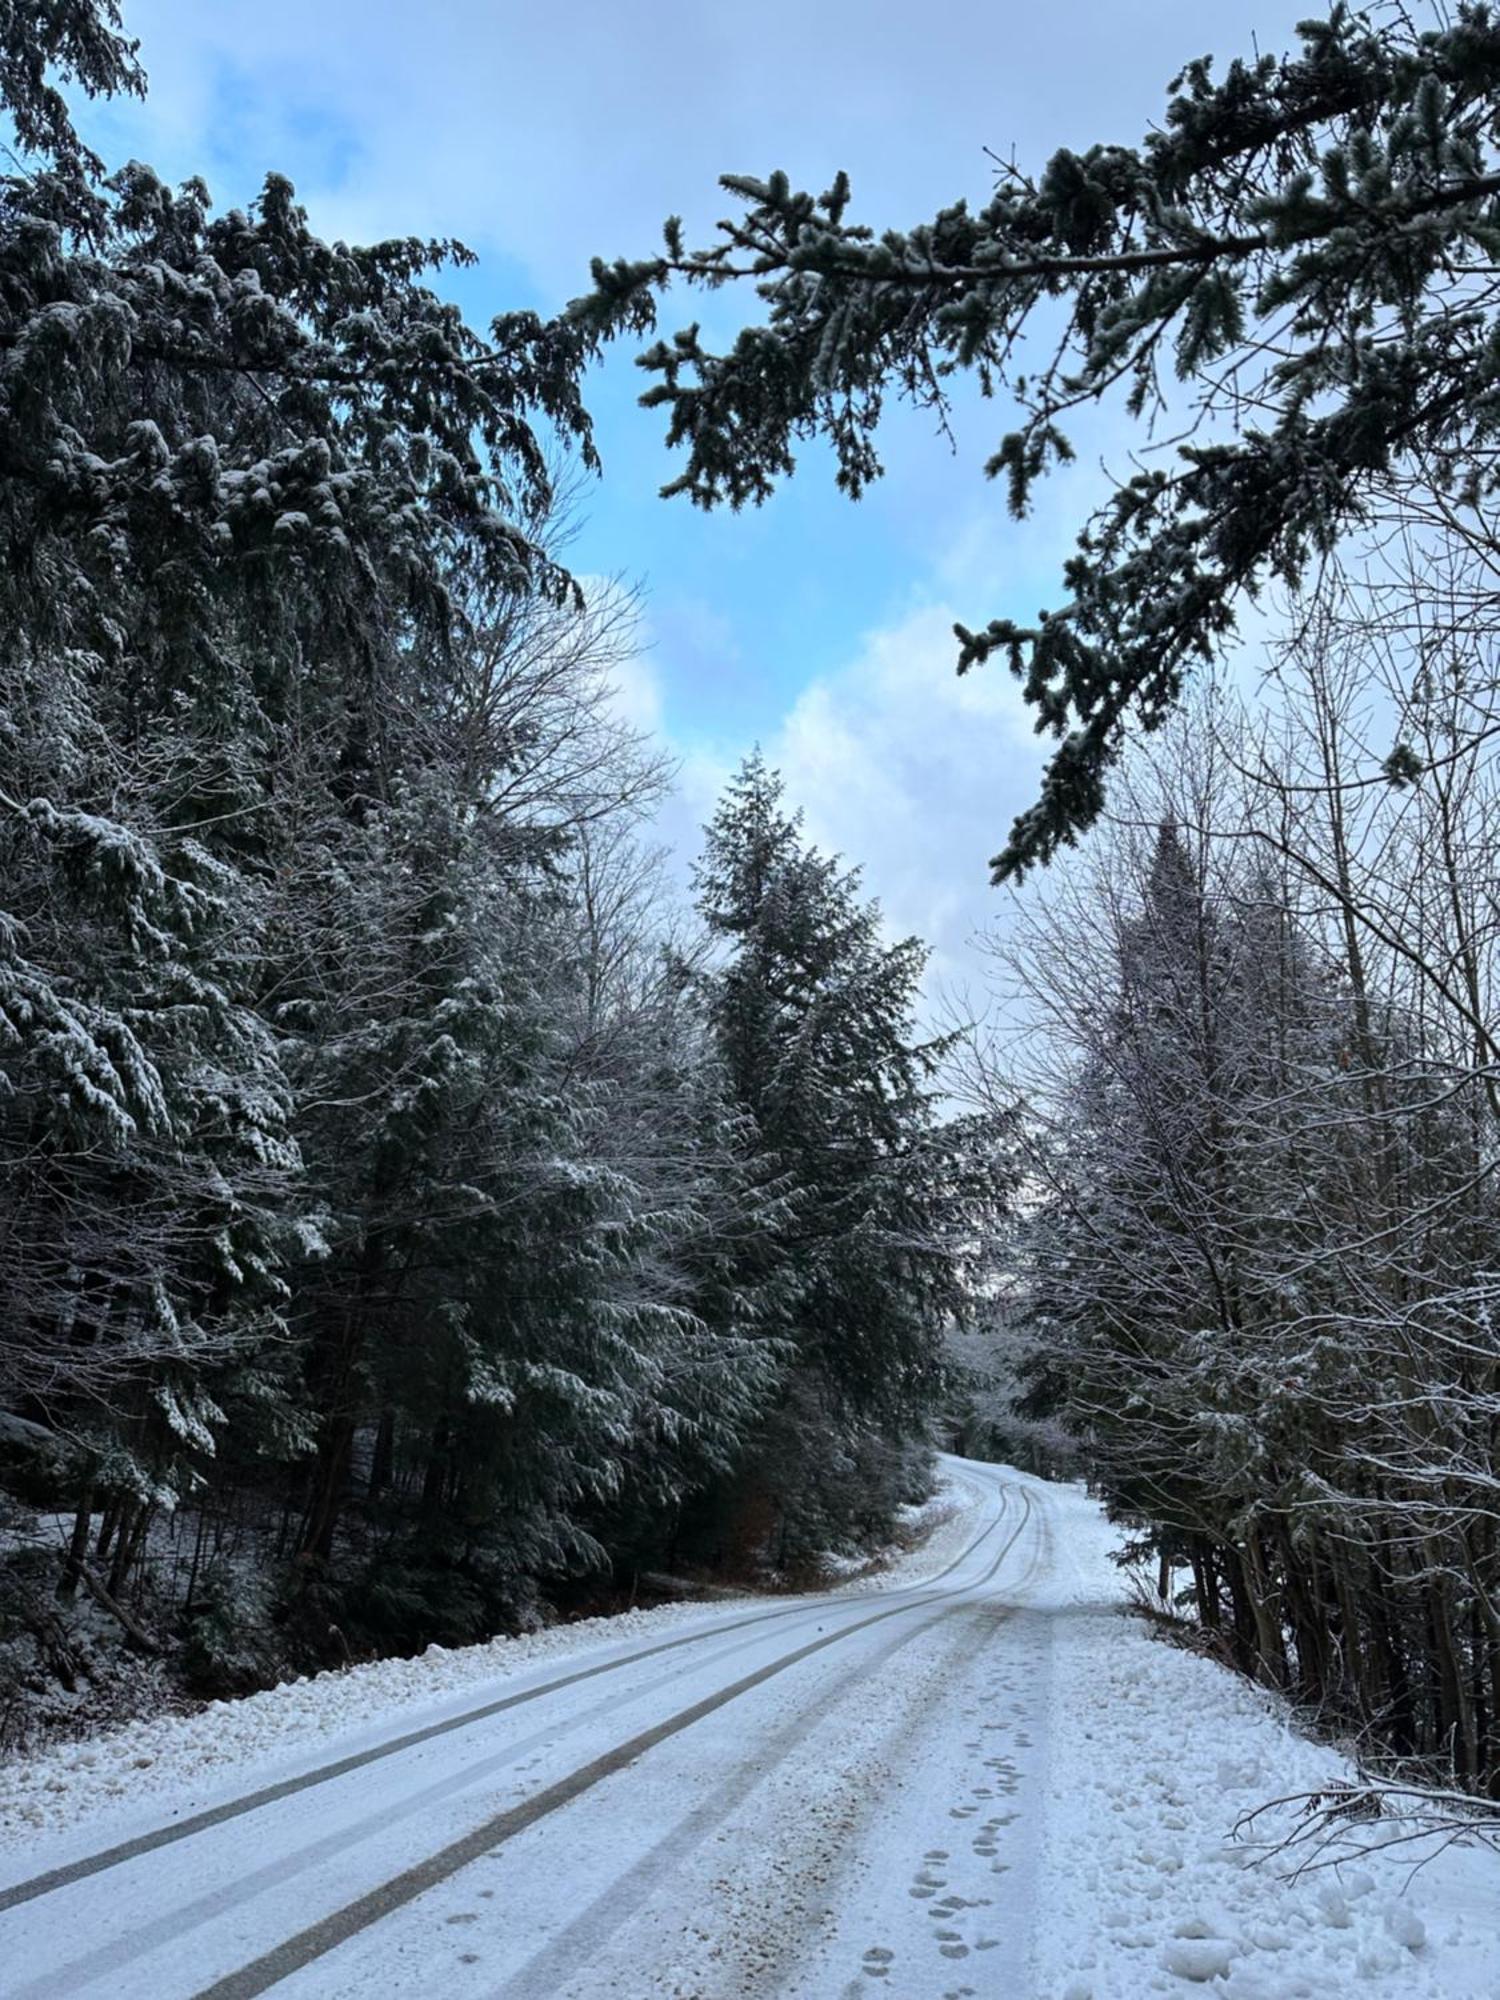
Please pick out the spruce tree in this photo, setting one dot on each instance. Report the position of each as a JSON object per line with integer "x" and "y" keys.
{"x": 813, "y": 1016}
{"x": 252, "y": 485}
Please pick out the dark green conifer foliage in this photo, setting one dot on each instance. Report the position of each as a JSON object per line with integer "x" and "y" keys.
{"x": 812, "y": 1012}
{"x": 244, "y": 473}
{"x": 388, "y": 1235}
{"x": 318, "y": 1228}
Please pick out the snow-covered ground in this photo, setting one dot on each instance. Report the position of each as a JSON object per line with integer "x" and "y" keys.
{"x": 1153, "y": 1755}
{"x": 969, "y": 1775}
{"x": 157, "y": 1761}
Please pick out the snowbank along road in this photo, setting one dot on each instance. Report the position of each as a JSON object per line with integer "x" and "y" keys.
{"x": 974, "y": 1780}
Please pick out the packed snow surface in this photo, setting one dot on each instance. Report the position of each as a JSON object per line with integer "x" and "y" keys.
{"x": 266, "y": 1735}
{"x": 970, "y": 1775}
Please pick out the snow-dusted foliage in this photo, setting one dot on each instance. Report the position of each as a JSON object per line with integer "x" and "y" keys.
{"x": 384, "y": 1233}
{"x": 1304, "y": 241}
{"x": 1260, "y": 1270}
{"x": 884, "y": 1209}
{"x": 1264, "y": 1251}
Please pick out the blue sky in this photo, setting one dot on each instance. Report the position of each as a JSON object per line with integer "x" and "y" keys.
{"x": 543, "y": 136}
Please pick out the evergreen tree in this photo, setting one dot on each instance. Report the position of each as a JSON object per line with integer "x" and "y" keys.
{"x": 403, "y": 1220}
{"x": 812, "y": 1013}
{"x": 243, "y": 470}
{"x": 1259, "y": 1214}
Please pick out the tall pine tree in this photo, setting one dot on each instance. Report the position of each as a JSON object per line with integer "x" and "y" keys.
{"x": 813, "y": 1015}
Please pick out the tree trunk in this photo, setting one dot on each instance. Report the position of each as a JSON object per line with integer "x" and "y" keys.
{"x": 78, "y": 1548}
{"x": 383, "y": 1458}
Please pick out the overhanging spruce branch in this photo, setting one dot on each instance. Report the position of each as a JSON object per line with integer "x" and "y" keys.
{"x": 1345, "y": 195}
{"x": 799, "y": 256}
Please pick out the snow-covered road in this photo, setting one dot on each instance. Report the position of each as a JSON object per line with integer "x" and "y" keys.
{"x": 868, "y": 1792}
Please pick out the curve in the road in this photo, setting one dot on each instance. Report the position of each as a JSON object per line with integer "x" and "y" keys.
{"x": 590, "y": 1932}
{"x": 111, "y": 1959}
{"x": 164, "y": 1836}
{"x": 335, "y": 1929}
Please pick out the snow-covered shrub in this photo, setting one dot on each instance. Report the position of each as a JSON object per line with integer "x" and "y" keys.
{"x": 230, "y": 1641}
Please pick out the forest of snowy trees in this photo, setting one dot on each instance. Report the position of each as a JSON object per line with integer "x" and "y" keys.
{"x": 1257, "y": 1273}
{"x": 414, "y": 1215}
{"x": 1252, "y": 1029}
{"x": 406, "y": 1211}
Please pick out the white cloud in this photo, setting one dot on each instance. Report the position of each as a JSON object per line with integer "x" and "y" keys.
{"x": 899, "y": 765}
{"x": 545, "y": 138}
{"x": 636, "y": 697}
{"x": 915, "y": 773}
{"x": 556, "y": 136}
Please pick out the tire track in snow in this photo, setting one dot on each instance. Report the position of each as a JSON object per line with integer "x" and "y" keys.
{"x": 288, "y": 1866}
{"x": 123, "y": 1949}
{"x": 562, "y": 1957}
{"x": 314, "y": 1942}
{"x": 546, "y": 1970}
{"x": 165, "y": 1836}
